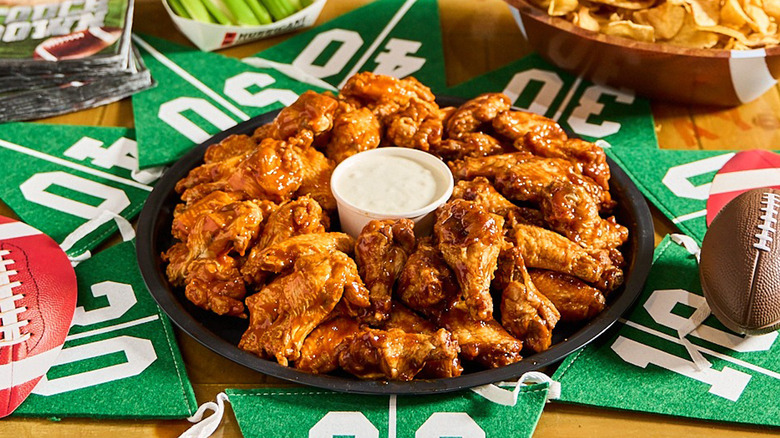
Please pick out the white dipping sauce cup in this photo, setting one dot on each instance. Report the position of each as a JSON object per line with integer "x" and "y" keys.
{"x": 354, "y": 218}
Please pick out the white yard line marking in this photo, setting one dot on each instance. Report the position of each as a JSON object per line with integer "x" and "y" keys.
{"x": 722, "y": 356}
{"x": 391, "y": 417}
{"x": 566, "y": 100}
{"x": 381, "y": 37}
{"x": 189, "y": 78}
{"x": 76, "y": 166}
{"x": 112, "y": 328}
{"x": 689, "y": 216}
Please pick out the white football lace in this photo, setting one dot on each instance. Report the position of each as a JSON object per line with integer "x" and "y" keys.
{"x": 770, "y": 203}
{"x": 9, "y": 312}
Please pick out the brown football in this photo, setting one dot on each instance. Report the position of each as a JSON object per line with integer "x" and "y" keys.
{"x": 740, "y": 263}
{"x": 78, "y": 44}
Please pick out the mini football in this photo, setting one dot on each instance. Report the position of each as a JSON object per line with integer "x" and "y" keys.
{"x": 38, "y": 294}
{"x": 740, "y": 263}
{"x": 78, "y": 44}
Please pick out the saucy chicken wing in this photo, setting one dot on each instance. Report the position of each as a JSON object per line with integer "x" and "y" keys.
{"x": 381, "y": 252}
{"x": 575, "y": 300}
{"x": 321, "y": 349}
{"x": 395, "y": 354}
{"x": 311, "y": 112}
{"x": 354, "y": 130}
{"x": 284, "y": 312}
{"x": 470, "y": 239}
{"x": 547, "y": 249}
{"x": 384, "y": 95}
{"x": 481, "y": 191}
{"x": 419, "y": 126}
{"x": 483, "y": 341}
{"x": 426, "y": 280}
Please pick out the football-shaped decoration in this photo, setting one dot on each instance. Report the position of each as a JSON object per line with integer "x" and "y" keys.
{"x": 740, "y": 263}
{"x": 76, "y": 45}
{"x": 746, "y": 170}
{"x": 38, "y": 294}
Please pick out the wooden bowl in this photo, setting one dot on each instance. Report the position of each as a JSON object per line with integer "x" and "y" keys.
{"x": 654, "y": 70}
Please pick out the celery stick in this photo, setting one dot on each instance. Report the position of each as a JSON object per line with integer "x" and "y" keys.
{"x": 277, "y": 8}
{"x": 296, "y": 5}
{"x": 178, "y": 9}
{"x": 216, "y": 12}
{"x": 306, "y": 3}
{"x": 261, "y": 13}
{"x": 197, "y": 11}
{"x": 242, "y": 12}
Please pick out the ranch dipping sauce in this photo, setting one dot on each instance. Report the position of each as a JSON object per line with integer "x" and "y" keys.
{"x": 389, "y": 183}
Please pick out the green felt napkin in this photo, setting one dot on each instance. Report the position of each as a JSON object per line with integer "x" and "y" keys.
{"x": 58, "y": 177}
{"x": 676, "y": 181}
{"x": 589, "y": 110}
{"x": 198, "y": 95}
{"x": 311, "y": 412}
{"x": 392, "y": 37}
{"x": 645, "y": 367}
{"x": 120, "y": 359}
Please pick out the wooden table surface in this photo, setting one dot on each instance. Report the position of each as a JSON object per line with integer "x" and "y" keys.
{"x": 471, "y": 47}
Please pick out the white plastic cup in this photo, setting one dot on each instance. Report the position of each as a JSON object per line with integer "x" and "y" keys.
{"x": 354, "y": 218}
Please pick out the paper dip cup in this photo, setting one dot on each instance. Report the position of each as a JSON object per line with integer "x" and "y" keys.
{"x": 390, "y": 183}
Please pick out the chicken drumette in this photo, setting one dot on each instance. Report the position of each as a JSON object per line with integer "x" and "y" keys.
{"x": 470, "y": 238}
{"x": 381, "y": 252}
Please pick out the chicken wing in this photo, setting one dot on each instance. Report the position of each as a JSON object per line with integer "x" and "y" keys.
{"x": 394, "y": 354}
{"x": 301, "y": 216}
{"x": 381, "y": 252}
{"x": 312, "y": 112}
{"x": 481, "y": 191}
{"x": 521, "y": 176}
{"x": 426, "y": 280}
{"x": 547, "y": 249}
{"x": 405, "y": 319}
{"x": 384, "y": 95}
{"x": 354, "y": 130}
{"x": 470, "y": 239}
{"x": 272, "y": 172}
{"x": 321, "y": 349}
{"x": 570, "y": 210}
{"x": 483, "y": 341}
{"x": 545, "y": 138}
{"x": 575, "y": 300}
{"x": 463, "y": 133}
{"x": 184, "y": 216}
{"x": 233, "y": 227}
{"x": 232, "y": 146}
{"x": 284, "y": 312}
{"x": 315, "y": 177}
{"x": 215, "y": 284}
{"x": 527, "y": 314}
{"x": 281, "y": 256}
{"x": 419, "y": 126}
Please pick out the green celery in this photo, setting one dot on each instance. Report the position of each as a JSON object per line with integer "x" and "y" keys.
{"x": 178, "y": 9}
{"x": 261, "y": 13}
{"x": 217, "y": 13}
{"x": 197, "y": 10}
{"x": 242, "y": 12}
{"x": 306, "y": 3}
{"x": 278, "y": 8}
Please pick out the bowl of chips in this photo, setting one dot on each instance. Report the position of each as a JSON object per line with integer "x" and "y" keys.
{"x": 709, "y": 52}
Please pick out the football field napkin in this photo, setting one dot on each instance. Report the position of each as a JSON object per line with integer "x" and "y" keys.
{"x": 588, "y": 110}
{"x": 645, "y": 366}
{"x": 60, "y": 179}
{"x": 392, "y": 37}
{"x": 120, "y": 359}
{"x": 198, "y": 95}
{"x": 311, "y": 412}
